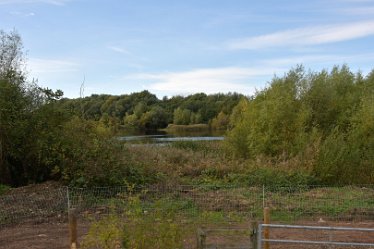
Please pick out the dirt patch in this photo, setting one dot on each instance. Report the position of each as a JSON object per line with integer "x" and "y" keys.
{"x": 35, "y": 188}
{"x": 38, "y": 236}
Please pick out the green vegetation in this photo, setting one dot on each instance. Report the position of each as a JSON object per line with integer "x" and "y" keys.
{"x": 157, "y": 229}
{"x": 305, "y": 128}
{"x": 144, "y": 111}
{"x": 187, "y": 128}
{"x": 323, "y": 122}
{"x": 29, "y": 123}
{"x": 43, "y": 136}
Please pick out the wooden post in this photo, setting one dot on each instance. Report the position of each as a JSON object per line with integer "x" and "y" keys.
{"x": 73, "y": 229}
{"x": 201, "y": 239}
{"x": 117, "y": 244}
{"x": 253, "y": 235}
{"x": 266, "y": 229}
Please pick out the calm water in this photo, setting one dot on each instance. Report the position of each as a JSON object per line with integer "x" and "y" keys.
{"x": 163, "y": 137}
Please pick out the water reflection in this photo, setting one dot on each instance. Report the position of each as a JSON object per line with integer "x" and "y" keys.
{"x": 167, "y": 138}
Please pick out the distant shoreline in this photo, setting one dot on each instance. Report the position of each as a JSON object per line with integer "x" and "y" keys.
{"x": 193, "y": 127}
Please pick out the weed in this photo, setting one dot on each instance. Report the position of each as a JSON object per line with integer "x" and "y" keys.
{"x": 3, "y": 189}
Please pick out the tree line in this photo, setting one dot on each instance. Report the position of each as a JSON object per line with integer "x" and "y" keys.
{"x": 143, "y": 110}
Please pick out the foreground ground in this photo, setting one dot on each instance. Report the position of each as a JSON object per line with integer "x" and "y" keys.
{"x": 48, "y": 228}
{"x": 56, "y": 235}
{"x": 37, "y": 236}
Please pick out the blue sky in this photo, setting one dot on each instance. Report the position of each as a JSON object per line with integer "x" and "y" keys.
{"x": 172, "y": 47}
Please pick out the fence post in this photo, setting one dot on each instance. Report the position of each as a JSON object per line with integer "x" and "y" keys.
{"x": 117, "y": 244}
{"x": 201, "y": 237}
{"x": 266, "y": 229}
{"x": 73, "y": 228}
{"x": 253, "y": 235}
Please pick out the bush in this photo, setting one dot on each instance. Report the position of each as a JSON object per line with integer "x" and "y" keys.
{"x": 140, "y": 230}
{"x": 93, "y": 157}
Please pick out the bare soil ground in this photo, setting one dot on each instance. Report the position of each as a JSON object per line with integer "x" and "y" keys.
{"x": 37, "y": 236}
{"x": 46, "y": 228}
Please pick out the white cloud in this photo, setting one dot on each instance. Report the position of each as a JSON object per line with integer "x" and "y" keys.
{"x": 303, "y": 59}
{"x": 22, "y": 14}
{"x": 307, "y": 36}
{"x": 119, "y": 50}
{"x": 209, "y": 80}
{"x": 327, "y": 59}
{"x": 37, "y": 65}
{"x": 53, "y": 2}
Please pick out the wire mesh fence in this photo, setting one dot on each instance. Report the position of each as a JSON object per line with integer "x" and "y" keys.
{"x": 38, "y": 206}
{"x": 345, "y": 203}
{"x": 288, "y": 204}
{"x": 211, "y": 207}
{"x": 190, "y": 201}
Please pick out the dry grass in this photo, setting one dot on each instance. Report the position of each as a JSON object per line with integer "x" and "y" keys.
{"x": 208, "y": 163}
{"x": 185, "y": 162}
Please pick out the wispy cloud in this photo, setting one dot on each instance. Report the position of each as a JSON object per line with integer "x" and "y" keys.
{"x": 37, "y": 65}
{"x": 22, "y": 14}
{"x": 307, "y": 36}
{"x": 326, "y": 59}
{"x": 303, "y": 59}
{"x": 209, "y": 80}
{"x": 358, "y": 11}
{"x": 53, "y": 2}
{"x": 119, "y": 50}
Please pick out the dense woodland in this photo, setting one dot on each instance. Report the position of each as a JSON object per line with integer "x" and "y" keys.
{"x": 306, "y": 127}
{"x": 144, "y": 110}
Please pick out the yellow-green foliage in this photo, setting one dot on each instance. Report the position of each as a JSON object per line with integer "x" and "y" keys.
{"x": 104, "y": 234}
{"x": 220, "y": 122}
{"x": 327, "y": 113}
{"x": 135, "y": 229}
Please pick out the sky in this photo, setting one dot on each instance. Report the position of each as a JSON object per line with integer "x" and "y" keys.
{"x": 175, "y": 47}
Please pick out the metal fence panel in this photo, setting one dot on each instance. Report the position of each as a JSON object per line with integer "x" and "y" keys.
{"x": 301, "y": 242}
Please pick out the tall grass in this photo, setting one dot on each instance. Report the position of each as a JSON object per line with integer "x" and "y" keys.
{"x": 207, "y": 162}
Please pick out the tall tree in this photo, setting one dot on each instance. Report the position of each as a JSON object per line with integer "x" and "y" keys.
{"x": 13, "y": 102}
{"x": 29, "y": 123}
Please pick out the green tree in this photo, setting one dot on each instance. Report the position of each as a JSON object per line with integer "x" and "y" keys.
{"x": 13, "y": 107}
{"x": 182, "y": 116}
{"x": 154, "y": 119}
{"x": 29, "y": 120}
{"x": 220, "y": 122}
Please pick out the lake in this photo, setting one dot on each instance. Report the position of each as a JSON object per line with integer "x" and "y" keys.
{"x": 162, "y": 137}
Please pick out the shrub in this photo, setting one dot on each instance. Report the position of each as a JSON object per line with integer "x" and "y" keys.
{"x": 138, "y": 230}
